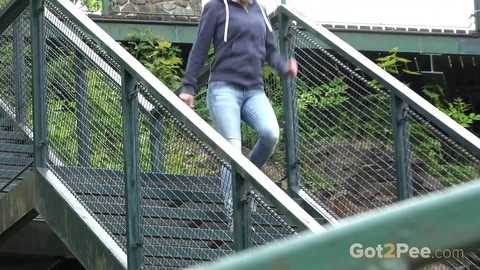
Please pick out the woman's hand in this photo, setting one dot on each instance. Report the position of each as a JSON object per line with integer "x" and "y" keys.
{"x": 292, "y": 67}
{"x": 187, "y": 98}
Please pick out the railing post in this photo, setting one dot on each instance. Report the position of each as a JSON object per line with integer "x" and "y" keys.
{"x": 289, "y": 108}
{"x": 401, "y": 148}
{"x": 241, "y": 212}
{"x": 105, "y": 4}
{"x": 131, "y": 169}
{"x": 83, "y": 134}
{"x": 37, "y": 11}
{"x": 19, "y": 70}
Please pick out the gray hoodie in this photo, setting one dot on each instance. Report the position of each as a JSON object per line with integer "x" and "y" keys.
{"x": 243, "y": 40}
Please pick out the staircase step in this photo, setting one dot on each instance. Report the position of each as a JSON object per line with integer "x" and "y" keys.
{"x": 113, "y": 208}
{"x": 154, "y": 185}
{"x": 71, "y": 174}
{"x": 7, "y": 188}
{"x": 88, "y": 188}
{"x": 6, "y": 174}
{"x": 185, "y": 252}
{"x": 16, "y": 148}
{"x": 15, "y": 161}
{"x": 154, "y": 263}
{"x": 154, "y": 249}
{"x": 194, "y": 234}
{"x": 13, "y": 135}
{"x": 6, "y": 123}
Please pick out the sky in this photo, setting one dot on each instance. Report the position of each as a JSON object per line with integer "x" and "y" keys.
{"x": 449, "y": 14}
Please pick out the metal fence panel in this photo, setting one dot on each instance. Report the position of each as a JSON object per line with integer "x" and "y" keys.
{"x": 16, "y": 146}
{"x": 182, "y": 213}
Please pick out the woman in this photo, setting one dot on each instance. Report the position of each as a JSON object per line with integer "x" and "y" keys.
{"x": 243, "y": 40}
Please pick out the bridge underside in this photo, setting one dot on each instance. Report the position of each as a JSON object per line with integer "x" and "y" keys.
{"x": 421, "y": 41}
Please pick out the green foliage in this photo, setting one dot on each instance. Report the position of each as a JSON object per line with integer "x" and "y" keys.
{"x": 104, "y": 106}
{"x": 393, "y": 63}
{"x": 158, "y": 56}
{"x": 91, "y": 5}
{"x": 322, "y": 97}
{"x": 316, "y": 104}
{"x": 457, "y": 109}
{"x": 447, "y": 168}
{"x": 3, "y": 3}
{"x": 427, "y": 147}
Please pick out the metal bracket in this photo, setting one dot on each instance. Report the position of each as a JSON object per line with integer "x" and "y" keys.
{"x": 40, "y": 7}
{"x": 133, "y": 95}
{"x": 43, "y": 143}
{"x": 296, "y": 164}
{"x": 247, "y": 198}
{"x": 137, "y": 245}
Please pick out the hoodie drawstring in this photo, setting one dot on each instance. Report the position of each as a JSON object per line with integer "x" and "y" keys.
{"x": 227, "y": 19}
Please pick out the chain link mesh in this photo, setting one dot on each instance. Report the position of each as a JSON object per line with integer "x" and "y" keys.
{"x": 344, "y": 132}
{"x": 346, "y": 141}
{"x": 438, "y": 162}
{"x": 85, "y": 122}
{"x": 454, "y": 259}
{"x": 16, "y": 148}
{"x": 346, "y": 147}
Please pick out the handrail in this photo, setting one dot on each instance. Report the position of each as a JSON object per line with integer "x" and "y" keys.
{"x": 180, "y": 110}
{"x": 437, "y": 222}
{"x": 10, "y": 13}
{"x": 399, "y": 89}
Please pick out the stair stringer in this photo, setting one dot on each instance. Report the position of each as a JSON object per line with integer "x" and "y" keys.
{"x": 44, "y": 194}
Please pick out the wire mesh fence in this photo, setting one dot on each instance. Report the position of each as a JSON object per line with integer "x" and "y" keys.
{"x": 346, "y": 145}
{"x": 453, "y": 259}
{"x": 345, "y": 133}
{"x": 16, "y": 148}
{"x": 438, "y": 162}
{"x": 183, "y": 218}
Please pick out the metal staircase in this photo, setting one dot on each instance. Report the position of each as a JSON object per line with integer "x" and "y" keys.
{"x": 108, "y": 194}
{"x": 16, "y": 150}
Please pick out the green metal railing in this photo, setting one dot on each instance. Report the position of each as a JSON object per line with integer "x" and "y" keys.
{"x": 361, "y": 138}
{"x": 358, "y": 137}
{"x": 442, "y": 226}
{"x": 16, "y": 136}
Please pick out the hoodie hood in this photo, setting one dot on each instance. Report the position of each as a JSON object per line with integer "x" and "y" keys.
{"x": 227, "y": 12}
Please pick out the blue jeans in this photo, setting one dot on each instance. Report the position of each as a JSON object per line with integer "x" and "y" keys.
{"x": 228, "y": 104}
